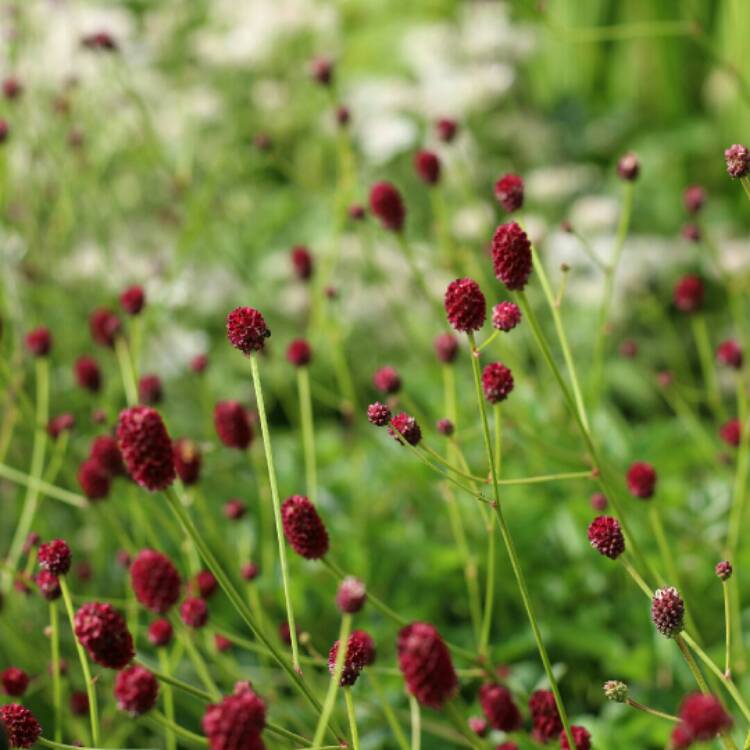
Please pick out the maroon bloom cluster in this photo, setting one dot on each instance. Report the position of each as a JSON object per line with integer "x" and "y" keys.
{"x": 668, "y": 611}
{"x": 499, "y": 707}
{"x": 427, "y": 166}
{"x": 247, "y": 329}
{"x": 360, "y": 653}
{"x": 146, "y": 447}
{"x": 55, "y": 557}
{"x": 465, "y": 305}
{"x": 387, "y": 206}
{"x": 303, "y": 528}
{"x": 21, "y": 727}
{"x": 237, "y": 721}
{"x": 102, "y": 631}
{"x": 545, "y": 718}
{"x": 506, "y": 316}
{"x": 606, "y": 537}
{"x": 406, "y": 427}
{"x": 641, "y": 480}
{"x": 136, "y": 690}
{"x": 497, "y": 382}
{"x": 509, "y": 192}
{"x": 155, "y": 580}
{"x": 187, "y": 460}
{"x": 702, "y": 717}
{"x": 511, "y": 256}
{"x": 232, "y": 424}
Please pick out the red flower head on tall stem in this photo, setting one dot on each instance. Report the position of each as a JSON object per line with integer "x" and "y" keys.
{"x": 232, "y": 424}
{"x": 21, "y": 727}
{"x": 133, "y": 299}
{"x": 102, "y": 631}
{"x": 39, "y": 341}
{"x": 511, "y": 256}
{"x": 146, "y": 447}
{"x": 236, "y": 722}
{"x": 509, "y": 192}
{"x": 641, "y": 479}
{"x": 303, "y": 528}
{"x": 465, "y": 305}
{"x": 105, "y": 326}
{"x": 247, "y": 329}
{"x": 427, "y": 166}
{"x": 688, "y": 294}
{"x": 302, "y": 262}
{"x": 386, "y": 204}
{"x": 155, "y": 580}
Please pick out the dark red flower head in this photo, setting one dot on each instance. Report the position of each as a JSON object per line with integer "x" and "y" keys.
{"x": 499, "y": 707}
{"x": 386, "y": 204}
{"x": 479, "y": 725}
{"x": 497, "y": 382}
{"x": 446, "y": 347}
{"x": 446, "y": 129}
{"x": 445, "y": 427}
{"x": 731, "y": 432}
{"x": 236, "y": 722}
{"x": 694, "y": 197}
{"x": 343, "y": 115}
{"x": 104, "y": 326}
{"x": 506, "y": 316}
{"x": 724, "y": 570}
{"x": 79, "y": 703}
{"x": 509, "y": 192}
{"x": 303, "y": 528}
{"x": 606, "y": 537}
{"x": 427, "y": 165}
{"x": 321, "y": 69}
{"x": 155, "y": 581}
{"x": 545, "y": 717}
{"x": 102, "y": 631}
{"x": 357, "y": 212}
{"x": 351, "y": 595}
{"x": 136, "y": 690}
{"x": 580, "y": 736}
{"x": 629, "y": 167}
{"x": 704, "y": 716}
{"x": 302, "y": 262}
{"x": 199, "y": 363}
{"x": 234, "y": 509}
{"x": 15, "y": 681}
{"x": 688, "y": 294}
{"x": 729, "y": 353}
{"x": 426, "y": 664}
{"x": 249, "y": 571}
{"x": 360, "y": 653}
{"x": 691, "y": 232}
{"x": 247, "y": 330}
{"x": 222, "y": 644}
{"x": 49, "y": 585}
{"x": 187, "y": 460}
{"x": 12, "y": 88}
{"x": 737, "y": 158}
{"x": 150, "y": 390}
{"x": 378, "y": 414}
{"x": 465, "y": 305}
{"x": 87, "y": 373}
{"x": 194, "y": 612}
{"x": 55, "y": 557}
{"x": 680, "y": 738}
{"x": 232, "y": 424}
{"x": 387, "y": 380}
{"x": 146, "y": 447}
{"x": 204, "y": 584}
{"x": 100, "y": 41}
{"x": 641, "y": 480}
{"x": 105, "y": 452}
{"x": 668, "y": 611}
{"x": 21, "y": 727}
{"x": 59, "y": 424}
{"x": 4, "y": 130}
{"x": 160, "y": 632}
{"x": 511, "y": 255}
{"x": 133, "y": 299}
{"x": 299, "y": 353}
{"x": 407, "y": 427}
{"x": 39, "y": 341}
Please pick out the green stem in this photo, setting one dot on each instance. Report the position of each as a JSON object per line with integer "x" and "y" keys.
{"x": 746, "y": 186}
{"x": 390, "y": 717}
{"x": 308, "y": 432}
{"x": 54, "y": 625}
{"x": 276, "y": 510}
{"x": 172, "y": 729}
{"x": 416, "y": 723}
{"x": 36, "y": 484}
{"x": 703, "y": 344}
{"x": 199, "y": 664}
{"x": 652, "y": 711}
{"x": 168, "y": 699}
{"x": 44, "y": 742}
{"x": 90, "y": 688}
{"x": 727, "y": 631}
{"x": 352, "y": 718}
{"x": 512, "y": 554}
{"x": 126, "y": 371}
{"x": 489, "y": 594}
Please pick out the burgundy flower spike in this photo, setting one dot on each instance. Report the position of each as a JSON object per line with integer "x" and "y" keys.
{"x": 146, "y": 447}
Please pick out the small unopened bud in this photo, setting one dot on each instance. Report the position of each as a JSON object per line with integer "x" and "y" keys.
{"x": 616, "y": 691}
{"x": 724, "y": 570}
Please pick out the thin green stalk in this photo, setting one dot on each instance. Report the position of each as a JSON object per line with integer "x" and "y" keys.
{"x": 703, "y": 344}
{"x": 498, "y": 440}
{"x": 44, "y": 742}
{"x": 489, "y": 593}
{"x": 333, "y": 685}
{"x": 167, "y": 678}
{"x": 746, "y": 186}
{"x": 54, "y": 636}
{"x": 727, "y": 631}
{"x": 390, "y": 716}
{"x": 739, "y": 494}
{"x": 172, "y": 729}
{"x": 417, "y": 275}
{"x": 199, "y": 664}
{"x": 276, "y": 509}
{"x": 652, "y": 711}
{"x": 71, "y": 498}
{"x": 448, "y": 465}
{"x": 352, "y": 718}
{"x": 308, "y": 432}
{"x": 513, "y": 555}
{"x": 57, "y": 457}
{"x": 416, "y": 723}
{"x": 168, "y": 700}
{"x": 126, "y": 371}
{"x": 90, "y": 688}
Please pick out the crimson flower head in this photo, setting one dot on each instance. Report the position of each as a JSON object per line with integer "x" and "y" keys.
{"x": 321, "y": 69}
{"x": 146, "y": 447}
{"x": 194, "y": 612}
{"x": 222, "y": 644}
{"x": 545, "y": 717}
{"x": 79, "y": 703}
{"x": 160, "y": 632}
{"x": 509, "y": 192}
{"x": 150, "y": 390}
{"x": 386, "y": 204}
{"x": 497, "y": 382}
{"x": 87, "y": 373}
{"x": 360, "y": 653}
{"x": 199, "y": 363}
{"x": 55, "y": 557}
{"x": 426, "y": 664}
{"x": 446, "y": 129}
{"x": 299, "y": 353}
{"x": 204, "y": 584}
{"x": 236, "y": 722}
{"x": 187, "y": 460}
{"x": 39, "y": 341}
{"x": 15, "y": 681}
{"x": 102, "y": 631}
{"x": 100, "y": 41}
{"x": 479, "y": 725}
{"x": 668, "y": 611}
{"x": 357, "y": 212}
{"x": 12, "y": 88}
{"x": 641, "y": 479}
{"x": 446, "y": 347}
{"x": 465, "y": 305}
{"x": 694, "y": 197}
{"x": 378, "y": 414}
{"x": 49, "y": 585}
{"x": 133, "y": 299}
{"x": 606, "y": 537}
{"x": 232, "y": 424}
{"x": 303, "y": 528}
{"x": 351, "y": 596}
{"x": 445, "y": 427}
{"x": 302, "y": 262}
{"x": 499, "y": 707}
{"x": 688, "y": 294}
{"x": 247, "y": 330}
{"x": 511, "y": 255}
{"x": 104, "y": 450}
{"x": 155, "y": 581}
{"x": 691, "y": 232}
{"x": 704, "y": 716}
{"x": 729, "y": 353}
{"x": 731, "y": 432}
{"x": 387, "y": 380}
{"x": 724, "y": 570}
{"x": 249, "y": 571}
{"x": 59, "y": 424}
{"x": 104, "y": 326}
{"x": 680, "y": 738}
{"x": 343, "y": 115}
{"x": 629, "y": 167}
{"x": 427, "y": 166}
{"x": 4, "y": 130}
{"x": 581, "y": 737}
{"x": 407, "y": 427}
{"x": 234, "y": 509}
{"x": 506, "y": 316}
{"x": 21, "y": 727}
{"x": 136, "y": 690}
{"x": 94, "y": 479}
{"x": 737, "y": 158}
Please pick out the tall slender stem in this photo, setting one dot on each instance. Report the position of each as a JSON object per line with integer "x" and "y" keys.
{"x": 308, "y": 431}
{"x": 90, "y": 688}
{"x": 168, "y": 700}
{"x": 390, "y": 716}
{"x": 652, "y": 711}
{"x": 126, "y": 371}
{"x": 276, "y": 509}
{"x": 512, "y": 554}
{"x": 416, "y": 723}
{"x": 54, "y": 636}
{"x": 195, "y": 657}
{"x": 703, "y": 344}
{"x": 727, "y": 630}
{"x": 352, "y": 718}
